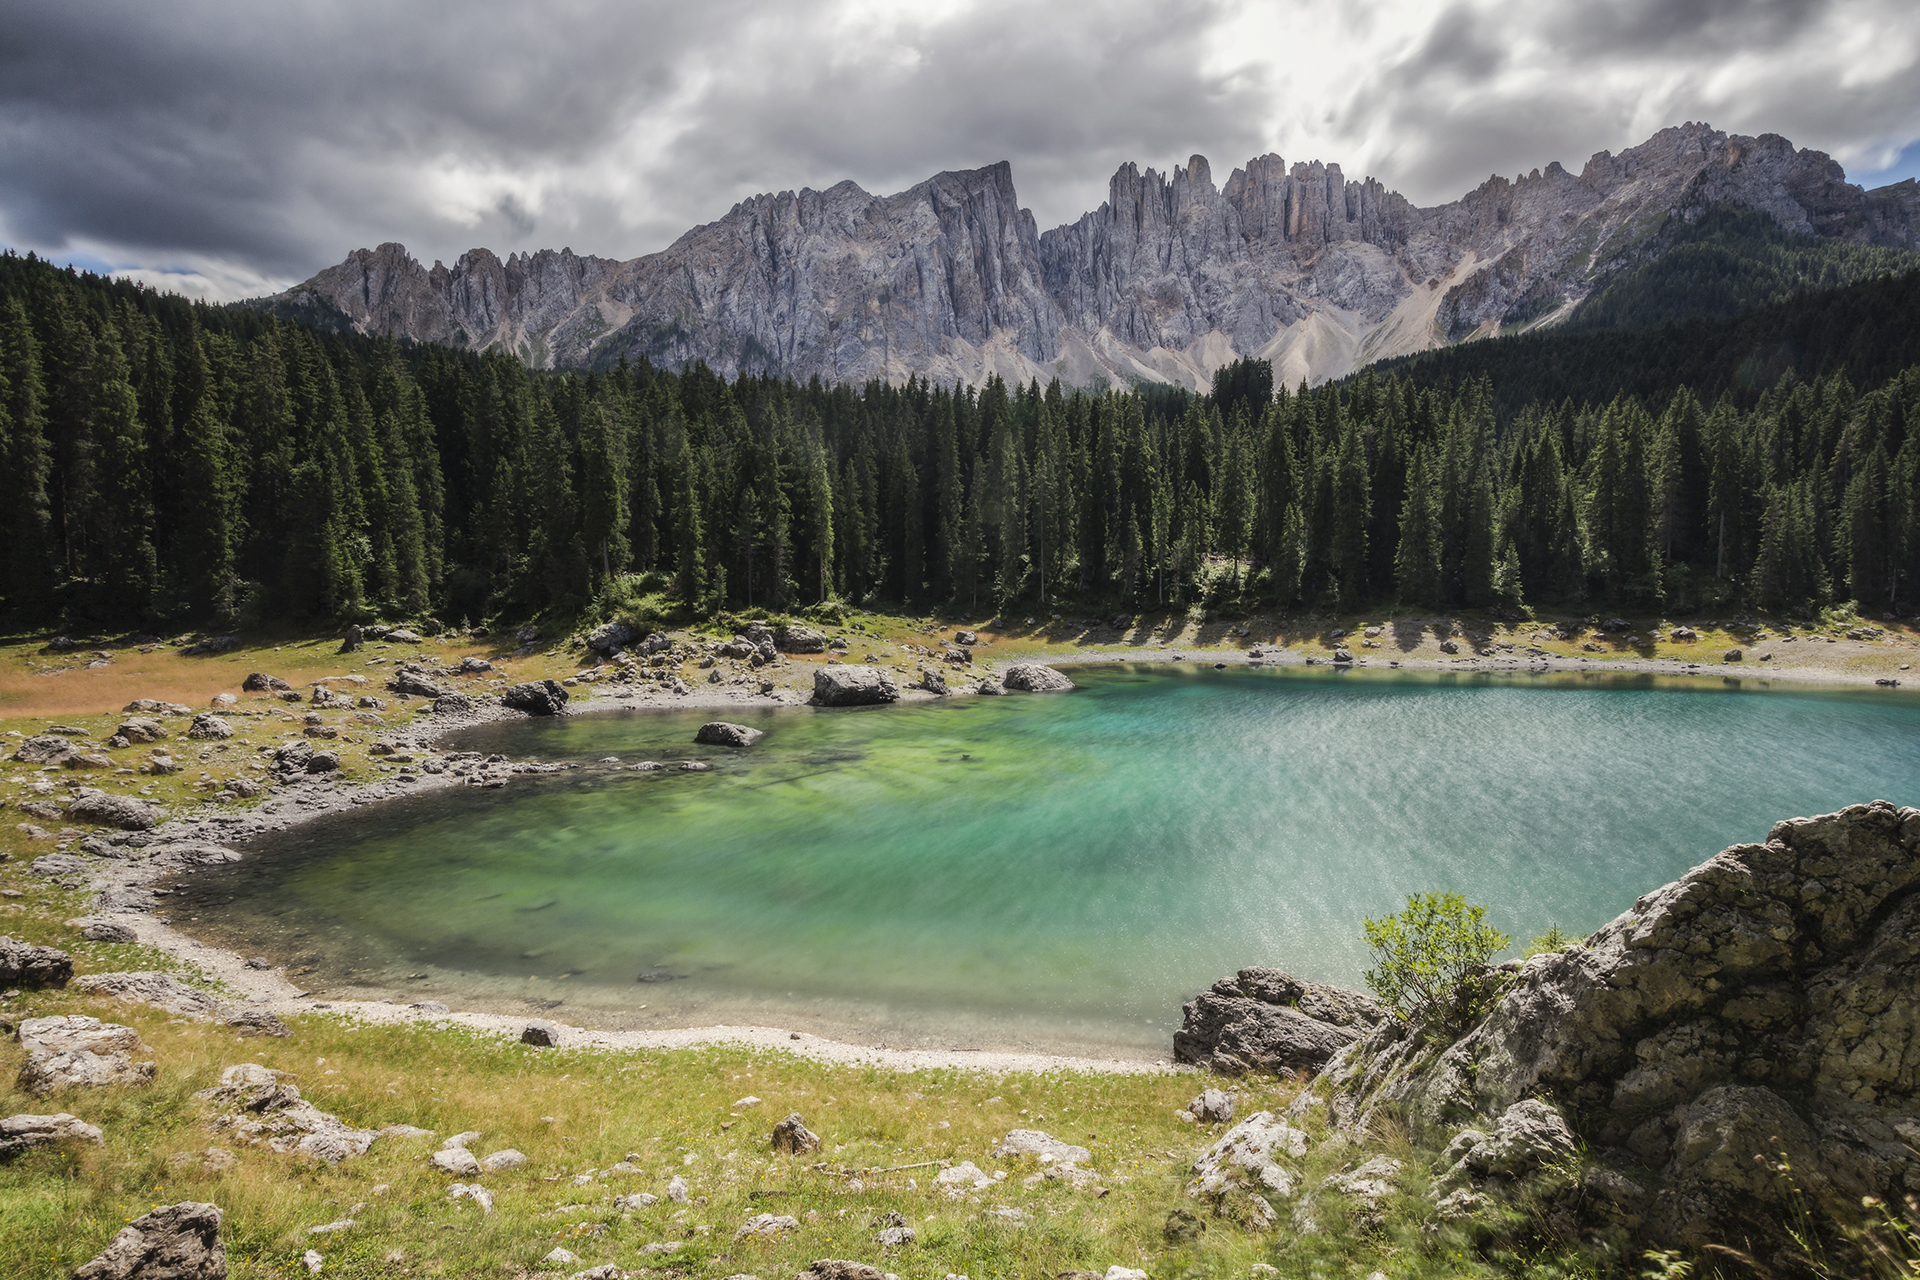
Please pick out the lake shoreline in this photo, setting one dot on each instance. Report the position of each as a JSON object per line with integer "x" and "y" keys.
{"x": 309, "y": 800}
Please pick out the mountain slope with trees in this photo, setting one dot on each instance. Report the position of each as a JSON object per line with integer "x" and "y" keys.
{"x": 168, "y": 461}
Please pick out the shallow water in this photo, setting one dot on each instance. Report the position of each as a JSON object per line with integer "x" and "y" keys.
{"x": 1044, "y": 871}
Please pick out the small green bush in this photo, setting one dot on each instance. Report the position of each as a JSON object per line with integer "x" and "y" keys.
{"x": 1554, "y": 939}
{"x": 1422, "y": 955}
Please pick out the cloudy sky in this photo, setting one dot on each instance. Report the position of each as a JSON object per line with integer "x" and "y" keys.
{"x": 227, "y": 148}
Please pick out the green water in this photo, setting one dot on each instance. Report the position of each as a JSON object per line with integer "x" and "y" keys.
{"x": 1057, "y": 871}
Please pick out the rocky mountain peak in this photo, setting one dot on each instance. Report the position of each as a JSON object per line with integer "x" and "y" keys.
{"x": 1167, "y": 280}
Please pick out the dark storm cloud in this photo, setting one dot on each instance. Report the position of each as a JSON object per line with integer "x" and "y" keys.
{"x": 252, "y": 144}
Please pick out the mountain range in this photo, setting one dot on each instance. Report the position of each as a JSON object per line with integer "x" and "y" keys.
{"x": 1169, "y": 279}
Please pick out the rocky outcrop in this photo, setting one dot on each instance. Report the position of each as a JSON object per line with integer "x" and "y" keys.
{"x": 175, "y": 1242}
{"x": 1268, "y": 1020}
{"x": 1741, "y": 1039}
{"x": 853, "y": 687}
{"x": 161, "y": 990}
{"x": 1173, "y": 276}
{"x": 73, "y": 1051}
{"x": 107, "y": 809}
{"x": 264, "y": 1108}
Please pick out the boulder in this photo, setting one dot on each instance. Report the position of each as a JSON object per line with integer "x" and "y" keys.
{"x": 1211, "y": 1107}
{"x": 206, "y": 725}
{"x": 1033, "y": 1142}
{"x": 415, "y": 681}
{"x": 161, "y": 990}
{"x": 840, "y": 1269}
{"x": 793, "y": 1137}
{"x": 611, "y": 637}
{"x": 798, "y": 639}
{"x": 25, "y": 965}
{"x": 1267, "y": 1020}
{"x": 767, "y": 1225}
{"x": 1731, "y": 655}
{"x": 457, "y": 1161}
{"x": 1035, "y": 678}
{"x": 212, "y": 646}
{"x": 506, "y": 1158}
{"x": 20, "y": 1134}
{"x": 45, "y": 748}
{"x": 154, "y": 707}
{"x": 1342, "y": 656}
{"x": 261, "y": 682}
{"x": 73, "y": 1051}
{"x": 536, "y": 698}
{"x": 124, "y": 812}
{"x": 265, "y": 1109}
{"x": 352, "y": 640}
{"x": 853, "y": 686}
{"x": 1257, "y": 1155}
{"x": 58, "y": 864}
{"x": 472, "y": 665}
{"x": 108, "y": 931}
{"x": 141, "y": 729}
{"x": 258, "y": 1022}
{"x": 323, "y": 762}
{"x": 719, "y": 733}
{"x": 454, "y": 704}
{"x": 175, "y": 1242}
{"x": 1766, "y": 1005}
{"x": 541, "y": 1032}
{"x": 401, "y": 635}
{"x": 933, "y": 682}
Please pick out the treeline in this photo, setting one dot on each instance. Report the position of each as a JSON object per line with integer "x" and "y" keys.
{"x": 165, "y": 461}
{"x": 1869, "y": 330}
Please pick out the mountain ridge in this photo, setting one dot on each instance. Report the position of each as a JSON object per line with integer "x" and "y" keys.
{"x": 1170, "y": 278}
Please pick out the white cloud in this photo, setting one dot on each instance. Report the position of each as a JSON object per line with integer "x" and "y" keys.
{"x": 257, "y": 142}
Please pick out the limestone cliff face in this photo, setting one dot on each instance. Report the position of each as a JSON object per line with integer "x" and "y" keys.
{"x": 1169, "y": 279}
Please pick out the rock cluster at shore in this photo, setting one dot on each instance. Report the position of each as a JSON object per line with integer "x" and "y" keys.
{"x": 1740, "y": 1046}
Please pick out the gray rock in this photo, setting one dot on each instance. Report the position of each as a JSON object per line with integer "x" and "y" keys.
{"x": 677, "y": 1190}
{"x": 24, "y": 964}
{"x": 109, "y": 931}
{"x": 124, "y": 812}
{"x": 1342, "y": 656}
{"x": 415, "y": 681}
{"x": 1211, "y": 1107}
{"x": 719, "y": 733}
{"x": 1765, "y": 1003}
{"x": 73, "y": 1051}
{"x": 161, "y": 990}
{"x": 258, "y": 1022}
{"x": 265, "y": 1109}
{"x": 261, "y": 682}
{"x": 1034, "y": 1142}
{"x": 23, "y": 1133}
{"x": 850, "y": 686}
{"x": 454, "y": 704}
{"x": 206, "y": 725}
{"x": 1035, "y": 678}
{"x": 792, "y": 1136}
{"x": 1731, "y": 655}
{"x": 934, "y": 682}
{"x": 58, "y": 864}
{"x": 798, "y": 639}
{"x": 473, "y": 665}
{"x": 1259, "y": 1154}
{"x": 536, "y": 698}
{"x": 1267, "y": 1020}
{"x": 323, "y": 762}
{"x": 766, "y": 1225}
{"x": 141, "y": 729}
{"x": 401, "y": 635}
{"x": 45, "y": 748}
{"x": 506, "y": 1158}
{"x": 155, "y": 707}
{"x": 540, "y": 1032}
{"x": 176, "y": 1242}
{"x": 610, "y": 637}
{"x": 841, "y": 1269}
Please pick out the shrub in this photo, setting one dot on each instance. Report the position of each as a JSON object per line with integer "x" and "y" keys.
{"x": 1422, "y": 955}
{"x": 1554, "y": 939}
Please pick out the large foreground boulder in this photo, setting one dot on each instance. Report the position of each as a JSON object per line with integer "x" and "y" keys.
{"x": 1268, "y": 1020}
{"x": 536, "y": 698}
{"x": 1035, "y": 678}
{"x": 853, "y": 687}
{"x": 1740, "y": 1047}
{"x": 175, "y": 1242}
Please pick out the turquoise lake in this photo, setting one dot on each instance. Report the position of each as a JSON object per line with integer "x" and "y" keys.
{"x": 1056, "y": 871}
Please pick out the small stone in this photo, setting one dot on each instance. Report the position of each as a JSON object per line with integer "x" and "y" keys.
{"x": 677, "y": 1190}
{"x": 792, "y": 1136}
{"x": 504, "y": 1159}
